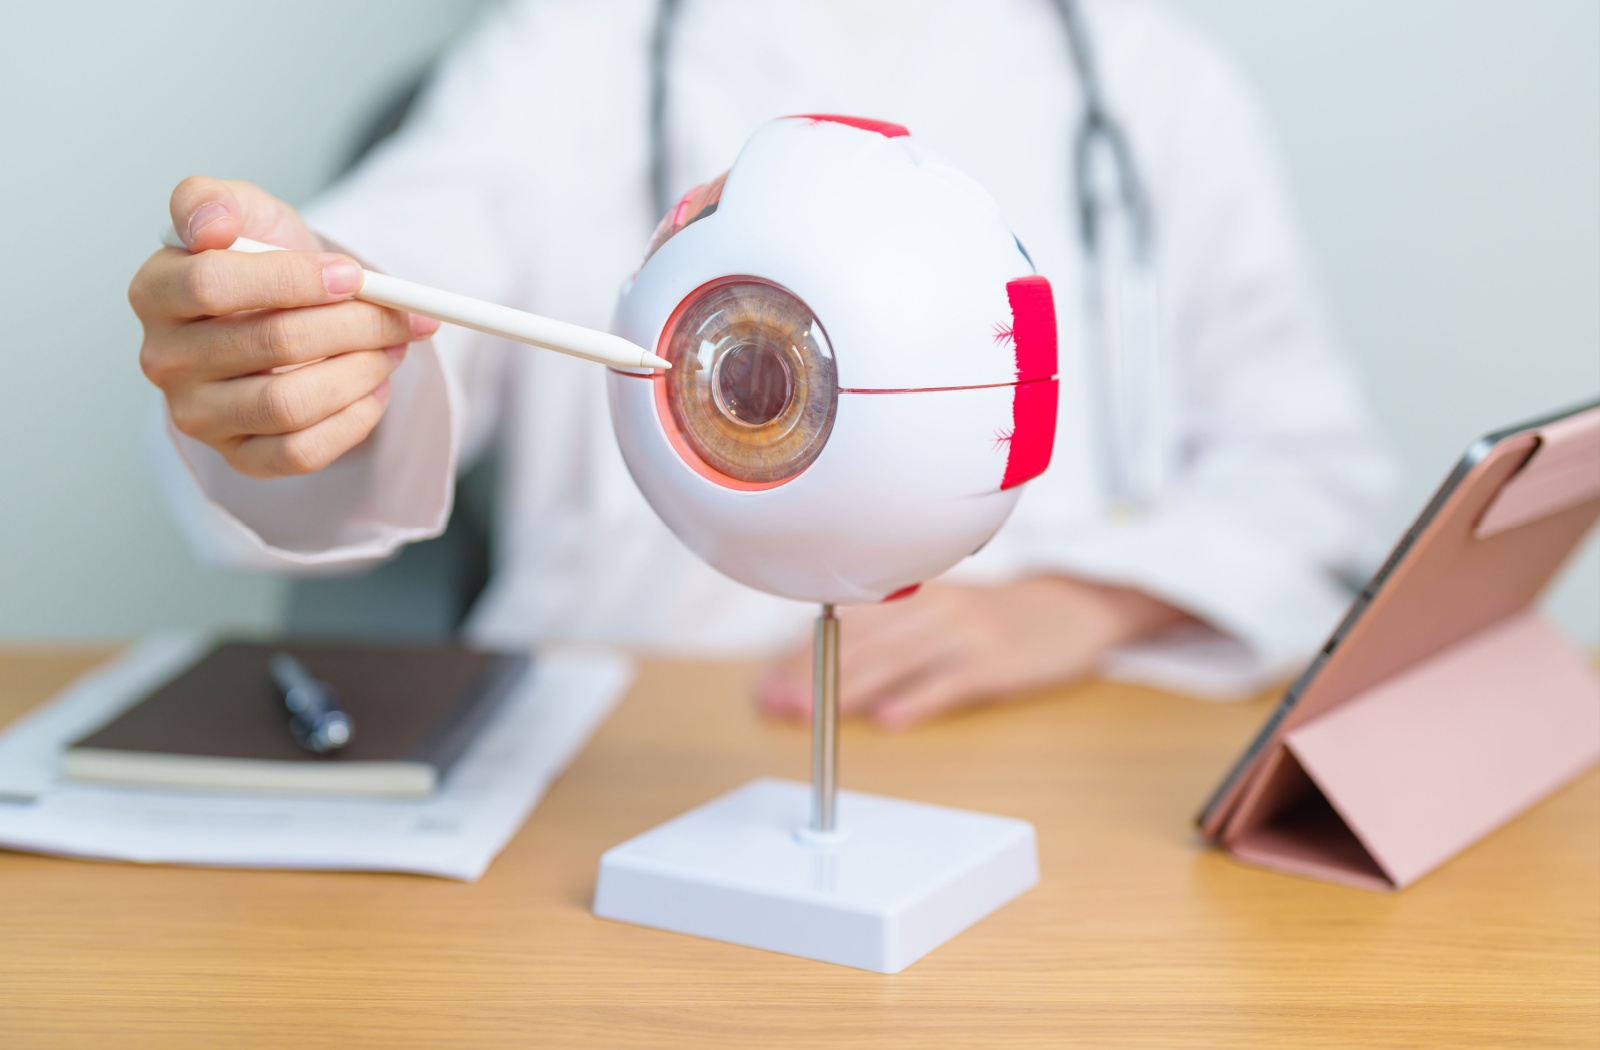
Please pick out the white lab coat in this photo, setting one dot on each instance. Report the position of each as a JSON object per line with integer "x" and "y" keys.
{"x": 523, "y": 179}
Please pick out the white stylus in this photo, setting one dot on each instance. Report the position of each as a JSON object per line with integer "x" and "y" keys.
{"x": 463, "y": 310}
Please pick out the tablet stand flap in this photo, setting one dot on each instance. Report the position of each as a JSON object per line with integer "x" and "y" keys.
{"x": 1423, "y": 765}
{"x": 1287, "y": 824}
{"x": 1563, "y": 472}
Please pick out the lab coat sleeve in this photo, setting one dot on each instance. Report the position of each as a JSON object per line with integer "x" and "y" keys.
{"x": 428, "y": 204}
{"x": 1280, "y": 476}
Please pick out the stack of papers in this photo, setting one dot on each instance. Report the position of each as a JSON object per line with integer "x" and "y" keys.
{"x": 455, "y": 833}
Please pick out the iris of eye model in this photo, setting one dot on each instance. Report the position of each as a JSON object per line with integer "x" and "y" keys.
{"x": 752, "y": 388}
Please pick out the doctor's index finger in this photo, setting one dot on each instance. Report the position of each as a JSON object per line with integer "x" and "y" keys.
{"x": 181, "y": 286}
{"x": 259, "y": 341}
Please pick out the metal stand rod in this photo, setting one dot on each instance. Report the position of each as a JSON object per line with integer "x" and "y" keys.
{"x": 824, "y": 720}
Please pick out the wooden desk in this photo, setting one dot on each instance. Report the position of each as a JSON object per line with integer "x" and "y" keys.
{"x": 1136, "y": 937}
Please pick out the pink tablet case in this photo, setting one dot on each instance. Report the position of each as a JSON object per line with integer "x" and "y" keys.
{"x": 1451, "y": 705}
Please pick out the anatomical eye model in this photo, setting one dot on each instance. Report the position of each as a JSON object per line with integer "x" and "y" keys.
{"x": 863, "y": 375}
{"x": 864, "y": 365}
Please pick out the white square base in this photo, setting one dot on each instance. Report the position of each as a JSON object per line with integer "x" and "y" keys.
{"x": 900, "y": 879}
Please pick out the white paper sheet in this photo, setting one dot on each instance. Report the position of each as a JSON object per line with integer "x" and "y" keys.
{"x": 456, "y": 833}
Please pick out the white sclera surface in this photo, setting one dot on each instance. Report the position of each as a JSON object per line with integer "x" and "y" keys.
{"x": 907, "y": 485}
{"x": 903, "y": 259}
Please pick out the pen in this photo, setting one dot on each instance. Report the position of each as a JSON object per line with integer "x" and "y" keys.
{"x": 316, "y": 720}
{"x": 546, "y": 332}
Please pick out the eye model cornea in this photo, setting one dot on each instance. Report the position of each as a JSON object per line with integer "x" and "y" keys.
{"x": 750, "y": 399}
{"x": 752, "y": 384}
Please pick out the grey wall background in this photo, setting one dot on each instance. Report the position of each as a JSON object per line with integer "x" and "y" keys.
{"x": 1445, "y": 154}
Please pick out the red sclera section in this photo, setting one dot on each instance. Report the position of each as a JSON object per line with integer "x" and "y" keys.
{"x": 1033, "y": 431}
{"x": 1034, "y": 400}
{"x": 904, "y": 592}
{"x": 1033, "y": 327}
{"x": 881, "y": 127}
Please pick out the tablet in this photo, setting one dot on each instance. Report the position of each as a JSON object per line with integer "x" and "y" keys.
{"x": 1505, "y": 520}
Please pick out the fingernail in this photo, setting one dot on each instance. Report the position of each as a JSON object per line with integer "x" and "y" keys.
{"x": 341, "y": 276}
{"x": 382, "y": 393}
{"x": 422, "y": 327}
{"x": 204, "y": 216}
{"x": 396, "y": 354}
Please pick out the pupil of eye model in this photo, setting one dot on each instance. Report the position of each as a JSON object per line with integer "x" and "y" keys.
{"x": 752, "y": 384}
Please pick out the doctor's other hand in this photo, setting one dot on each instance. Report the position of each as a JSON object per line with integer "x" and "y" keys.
{"x": 264, "y": 357}
{"x": 949, "y": 646}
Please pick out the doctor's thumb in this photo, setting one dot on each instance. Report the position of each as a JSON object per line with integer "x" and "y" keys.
{"x": 212, "y": 213}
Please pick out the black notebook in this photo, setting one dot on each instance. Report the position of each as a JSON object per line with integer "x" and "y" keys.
{"x": 221, "y": 723}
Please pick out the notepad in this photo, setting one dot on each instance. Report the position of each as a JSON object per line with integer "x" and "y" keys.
{"x": 220, "y": 725}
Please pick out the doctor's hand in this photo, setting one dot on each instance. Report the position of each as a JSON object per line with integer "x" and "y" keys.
{"x": 949, "y": 646}
{"x": 264, "y": 357}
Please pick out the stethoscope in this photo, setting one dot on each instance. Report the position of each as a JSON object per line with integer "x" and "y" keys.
{"x": 1115, "y": 239}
